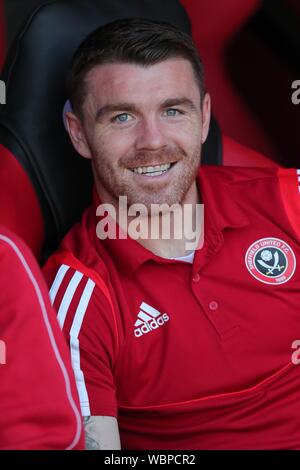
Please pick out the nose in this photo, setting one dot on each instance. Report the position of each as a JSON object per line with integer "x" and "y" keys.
{"x": 150, "y": 135}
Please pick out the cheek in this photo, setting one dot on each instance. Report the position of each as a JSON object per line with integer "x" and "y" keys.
{"x": 112, "y": 145}
{"x": 187, "y": 137}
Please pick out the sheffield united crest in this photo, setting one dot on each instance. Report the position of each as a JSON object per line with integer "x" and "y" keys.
{"x": 271, "y": 260}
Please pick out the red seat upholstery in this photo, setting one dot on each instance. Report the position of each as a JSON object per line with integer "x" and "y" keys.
{"x": 214, "y": 24}
{"x": 235, "y": 154}
{"x": 19, "y": 207}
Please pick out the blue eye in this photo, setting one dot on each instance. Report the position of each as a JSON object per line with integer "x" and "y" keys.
{"x": 172, "y": 112}
{"x": 124, "y": 117}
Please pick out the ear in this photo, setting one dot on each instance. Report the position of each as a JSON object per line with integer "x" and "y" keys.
{"x": 205, "y": 117}
{"x": 77, "y": 135}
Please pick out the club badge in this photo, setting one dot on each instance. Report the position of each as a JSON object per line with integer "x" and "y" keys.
{"x": 271, "y": 260}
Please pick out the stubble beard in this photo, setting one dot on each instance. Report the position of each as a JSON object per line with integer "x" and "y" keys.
{"x": 107, "y": 178}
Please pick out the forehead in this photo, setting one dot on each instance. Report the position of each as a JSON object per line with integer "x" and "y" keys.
{"x": 135, "y": 83}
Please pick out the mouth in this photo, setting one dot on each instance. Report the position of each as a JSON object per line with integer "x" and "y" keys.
{"x": 153, "y": 170}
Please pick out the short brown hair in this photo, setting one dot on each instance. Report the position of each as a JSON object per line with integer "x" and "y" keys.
{"x": 134, "y": 40}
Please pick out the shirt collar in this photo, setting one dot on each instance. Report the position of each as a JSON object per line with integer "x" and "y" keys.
{"x": 127, "y": 253}
{"x": 220, "y": 205}
{"x": 220, "y": 212}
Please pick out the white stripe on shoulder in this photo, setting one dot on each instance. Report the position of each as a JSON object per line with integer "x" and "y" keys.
{"x": 75, "y": 347}
{"x": 57, "y": 281}
{"x": 67, "y": 298}
{"x": 51, "y": 339}
{"x": 81, "y": 309}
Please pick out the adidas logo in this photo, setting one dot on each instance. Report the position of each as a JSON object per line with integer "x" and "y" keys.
{"x": 148, "y": 319}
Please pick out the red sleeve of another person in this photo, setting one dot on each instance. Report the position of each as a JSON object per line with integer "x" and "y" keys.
{"x": 38, "y": 398}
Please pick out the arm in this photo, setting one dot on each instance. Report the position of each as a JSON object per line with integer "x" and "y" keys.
{"x": 90, "y": 330}
{"x": 101, "y": 433}
{"x": 38, "y": 402}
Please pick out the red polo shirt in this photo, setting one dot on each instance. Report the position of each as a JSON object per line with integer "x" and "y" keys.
{"x": 192, "y": 356}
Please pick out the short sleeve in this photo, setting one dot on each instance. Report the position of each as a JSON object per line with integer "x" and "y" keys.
{"x": 87, "y": 320}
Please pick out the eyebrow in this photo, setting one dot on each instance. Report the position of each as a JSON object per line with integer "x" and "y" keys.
{"x": 179, "y": 102}
{"x": 110, "y": 108}
{"x": 130, "y": 107}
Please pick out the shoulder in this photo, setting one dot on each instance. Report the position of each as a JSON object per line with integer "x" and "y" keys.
{"x": 28, "y": 321}
{"x": 15, "y": 254}
{"x": 82, "y": 297}
{"x": 78, "y": 253}
{"x": 240, "y": 179}
{"x": 70, "y": 276}
{"x": 243, "y": 186}
{"x": 236, "y": 175}
{"x": 272, "y": 191}
{"x": 77, "y": 266}
{"x": 20, "y": 273}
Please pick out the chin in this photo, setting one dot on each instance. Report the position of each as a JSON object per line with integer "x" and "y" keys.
{"x": 156, "y": 198}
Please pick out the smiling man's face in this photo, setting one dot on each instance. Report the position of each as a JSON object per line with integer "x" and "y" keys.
{"x": 143, "y": 129}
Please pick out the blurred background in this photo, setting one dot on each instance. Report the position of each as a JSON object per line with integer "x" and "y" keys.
{"x": 251, "y": 51}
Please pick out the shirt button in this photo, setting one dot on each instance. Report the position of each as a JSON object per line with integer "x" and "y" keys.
{"x": 213, "y": 305}
{"x": 196, "y": 277}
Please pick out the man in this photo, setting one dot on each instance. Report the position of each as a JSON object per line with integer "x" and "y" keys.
{"x": 173, "y": 346}
{"x": 39, "y": 402}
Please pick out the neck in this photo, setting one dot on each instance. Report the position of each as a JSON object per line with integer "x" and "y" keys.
{"x": 184, "y": 223}
{"x": 169, "y": 234}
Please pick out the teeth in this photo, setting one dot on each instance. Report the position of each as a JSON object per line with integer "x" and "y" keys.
{"x": 152, "y": 170}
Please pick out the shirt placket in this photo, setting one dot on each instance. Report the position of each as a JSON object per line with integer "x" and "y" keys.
{"x": 212, "y": 306}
